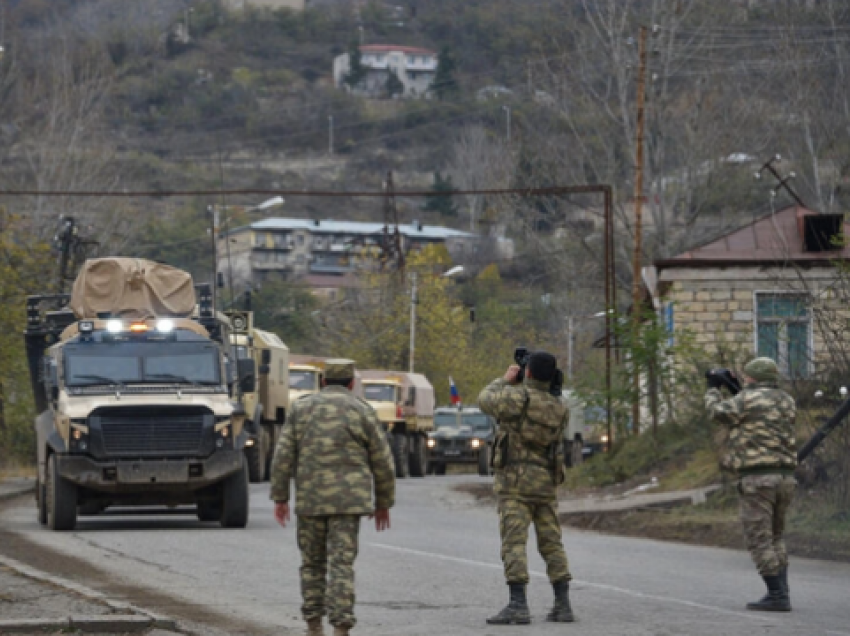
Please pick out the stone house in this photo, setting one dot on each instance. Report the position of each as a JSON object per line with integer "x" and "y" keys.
{"x": 774, "y": 287}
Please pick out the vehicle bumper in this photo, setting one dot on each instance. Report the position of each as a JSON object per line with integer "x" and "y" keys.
{"x": 139, "y": 476}
{"x": 464, "y": 457}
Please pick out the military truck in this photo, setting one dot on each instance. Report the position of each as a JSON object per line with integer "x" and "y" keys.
{"x": 306, "y": 373}
{"x": 132, "y": 384}
{"x": 461, "y": 435}
{"x": 265, "y": 407}
{"x": 575, "y": 433}
{"x": 404, "y": 403}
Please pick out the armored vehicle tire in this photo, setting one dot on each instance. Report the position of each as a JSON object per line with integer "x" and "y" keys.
{"x": 418, "y": 456}
{"x": 484, "y": 461}
{"x": 234, "y": 499}
{"x": 256, "y": 466}
{"x": 41, "y": 501}
{"x": 398, "y": 442}
{"x": 61, "y": 499}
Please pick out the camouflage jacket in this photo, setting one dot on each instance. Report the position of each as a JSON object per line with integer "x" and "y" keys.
{"x": 528, "y": 449}
{"x": 760, "y": 421}
{"x": 334, "y": 448}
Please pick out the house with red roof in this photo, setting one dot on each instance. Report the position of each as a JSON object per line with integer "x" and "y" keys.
{"x": 414, "y": 67}
{"x": 776, "y": 287}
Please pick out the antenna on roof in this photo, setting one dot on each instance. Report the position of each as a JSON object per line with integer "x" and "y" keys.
{"x": 783, "y": 182}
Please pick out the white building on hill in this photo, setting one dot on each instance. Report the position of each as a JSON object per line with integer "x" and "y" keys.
{"x": 238, "y": 5}
{"x": 414, "y": 67}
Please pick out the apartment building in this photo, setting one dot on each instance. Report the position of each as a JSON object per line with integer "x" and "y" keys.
{"x": 415, "y": 68}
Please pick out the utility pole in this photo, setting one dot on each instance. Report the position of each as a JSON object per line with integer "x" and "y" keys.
{"x": 638, "y": 197}
{"x": 507, "y": 110}
{"x": 783, "y": 182}
{"x": 330, "y": 134}
{"x": 391, "y": 250}
{"x": 413, "y": 301}
{"x": 215, "y": 219}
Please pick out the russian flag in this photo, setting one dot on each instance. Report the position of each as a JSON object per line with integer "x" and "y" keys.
{"x": 454, "y": 394}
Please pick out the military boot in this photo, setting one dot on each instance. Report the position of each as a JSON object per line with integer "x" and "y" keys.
{"x": 783, "y": 577}
{"x": 776, "y": 599}
{"x": 314, "y": 627}
{"x": 341, "y": 630}
{"x": 516, "y": 611}
{"x": 561, "y": 611}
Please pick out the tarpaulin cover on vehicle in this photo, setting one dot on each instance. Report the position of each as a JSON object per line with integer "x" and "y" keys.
{"x": 133, "y": 289}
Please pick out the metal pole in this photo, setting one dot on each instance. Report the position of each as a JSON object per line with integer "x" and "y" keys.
{"x": 330, "y": 134}
{"x": 570, "y": 343}
{"x": 638, "y": 197}
{"x": 610, "y": 296}
{"x": 412, "y": 319}
{"x": 213, "y": 209}
{"x": 507, "y": 110}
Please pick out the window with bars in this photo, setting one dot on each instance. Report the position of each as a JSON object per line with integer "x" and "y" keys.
{"x": 784, "y": 332}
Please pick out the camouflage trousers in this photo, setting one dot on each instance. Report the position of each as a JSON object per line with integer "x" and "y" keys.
{"x": 515, "y": 516}
{"x": 328, "y": 547}
{"x": 764, "y": 502}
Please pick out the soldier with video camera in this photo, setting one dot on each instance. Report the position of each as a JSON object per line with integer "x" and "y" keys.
{"x": 761, "y": 451}
{"x": 529, "y": 466}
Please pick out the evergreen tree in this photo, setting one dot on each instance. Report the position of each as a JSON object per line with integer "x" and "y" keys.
{"x": 445, "y": 85}
{"x": 441, "y": 201}
{"x": 356, "y": 70}
{"x": 394, "y": 85}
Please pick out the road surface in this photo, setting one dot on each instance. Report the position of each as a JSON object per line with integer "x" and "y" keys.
{"x": 437, "y": 571}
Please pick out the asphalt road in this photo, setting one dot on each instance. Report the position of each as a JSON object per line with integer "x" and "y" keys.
{"x": 437, "y": 571}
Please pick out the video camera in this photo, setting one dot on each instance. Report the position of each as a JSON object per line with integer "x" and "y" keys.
{"x": 522, "y": 355}
{"x": 719, "y": 377}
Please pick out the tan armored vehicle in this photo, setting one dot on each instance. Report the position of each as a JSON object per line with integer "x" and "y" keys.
{"x": 265, "y": 407}
{"x": 404, "y": 403}
{"x": 133, "y": 396}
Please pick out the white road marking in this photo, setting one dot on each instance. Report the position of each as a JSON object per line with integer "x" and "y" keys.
{"x": 599, "y": 586}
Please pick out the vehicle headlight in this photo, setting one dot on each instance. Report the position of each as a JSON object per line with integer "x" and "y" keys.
{"x": 79, "y": 437}
{"x": 475, "y": 443}
{"x": 431, "y": 443}
{"x": 223, "y": 433}
{"x": 165, "y": 325}
{"x": 114, "y": 326}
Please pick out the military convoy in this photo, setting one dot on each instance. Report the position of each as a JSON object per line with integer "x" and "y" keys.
{"x": 132, "y": 381}
{"x": 404, "y": 403}
{"x": 267, "y": 405}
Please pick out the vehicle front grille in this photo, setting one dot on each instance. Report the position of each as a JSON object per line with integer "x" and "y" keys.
{"x": 151, "y": 432}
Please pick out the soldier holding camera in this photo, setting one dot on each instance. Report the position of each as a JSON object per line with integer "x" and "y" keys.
{"x": 529, "y": 466}
{"x": 761, "y": 451}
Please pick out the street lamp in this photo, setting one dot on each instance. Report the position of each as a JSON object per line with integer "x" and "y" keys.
{"x": 414, "y": 301}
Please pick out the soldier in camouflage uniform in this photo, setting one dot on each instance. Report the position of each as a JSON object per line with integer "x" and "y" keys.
{"x": 529, "y": 466}
{"x": 761, "y": 451}
{"x": 334, "y": 448}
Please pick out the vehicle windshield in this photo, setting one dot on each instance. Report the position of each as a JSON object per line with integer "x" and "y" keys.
{"x": 130, "y": 362}
{"x": 302, "y": 380}
{"x": 379, "y": 392}
{"x": 477, "y": 421}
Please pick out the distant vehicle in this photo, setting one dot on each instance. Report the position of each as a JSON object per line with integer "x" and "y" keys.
{"x": 404, "y": 403}
{"x": 595, "y": 431}
{"x": 306, "y": 373}
{"x": 461, "y": 436}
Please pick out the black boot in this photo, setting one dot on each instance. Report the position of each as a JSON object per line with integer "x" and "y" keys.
{"x": 516, "y": 612}
{"x": 783, "y": 577}
{"x": 561, "y": 611}
{"x": 776, "y": 599}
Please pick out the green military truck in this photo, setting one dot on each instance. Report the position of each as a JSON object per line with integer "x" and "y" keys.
{"x": 461, "y": 435}
{"x": 132, "y": 382}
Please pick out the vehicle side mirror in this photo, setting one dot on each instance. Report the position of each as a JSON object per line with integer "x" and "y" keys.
{"x": 266, "y": 358}
{"x": 246, "y": 369}
{"x": 264, "y": 369}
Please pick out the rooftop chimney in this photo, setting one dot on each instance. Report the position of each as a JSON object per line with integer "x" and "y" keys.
{"x": 823, "y": 232}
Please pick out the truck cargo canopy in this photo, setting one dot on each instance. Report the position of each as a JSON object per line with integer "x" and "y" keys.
{"x": 132, "y": 288}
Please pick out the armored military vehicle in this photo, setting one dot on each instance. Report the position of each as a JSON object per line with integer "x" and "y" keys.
{"x": 265, "y": 407}
{"x": 132, "y": 383}
{"x": 461, "y": 435}
{"x": 404, "y": 403}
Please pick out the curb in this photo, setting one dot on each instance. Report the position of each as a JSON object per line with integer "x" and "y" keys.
{"x": 140, "y": 620}
{"x": 28, "y": 489}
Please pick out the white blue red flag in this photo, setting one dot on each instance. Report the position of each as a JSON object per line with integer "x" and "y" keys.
{"x": 454, "y": 394}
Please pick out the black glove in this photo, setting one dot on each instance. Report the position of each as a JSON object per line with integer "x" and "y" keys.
{"x": 713, "y": 379}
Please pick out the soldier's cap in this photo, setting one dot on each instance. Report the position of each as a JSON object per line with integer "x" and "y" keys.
{"x": 542, "y": 365}
{"x": 339, "y": 369}
{"x": 762, "y": 370}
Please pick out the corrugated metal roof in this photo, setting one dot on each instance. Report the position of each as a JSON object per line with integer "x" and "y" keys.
{"x": 773, "y": 238}
{"x": 356, "y": 227}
